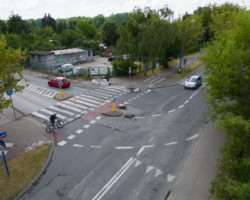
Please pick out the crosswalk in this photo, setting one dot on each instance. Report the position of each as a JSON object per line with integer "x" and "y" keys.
{"x": 79, "y": 105}
{"x": 38, "y": 89}
{"x": 154, "y": 80}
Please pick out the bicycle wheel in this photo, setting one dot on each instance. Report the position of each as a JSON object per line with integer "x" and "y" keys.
{"x": 60, "y": 124}
{"x": 49, "y": 128}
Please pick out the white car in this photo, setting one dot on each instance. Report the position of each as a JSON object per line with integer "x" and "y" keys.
{"x": 193, "y": 82}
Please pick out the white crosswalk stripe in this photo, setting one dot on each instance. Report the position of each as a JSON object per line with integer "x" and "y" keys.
{"x": 38, "y": 89}
{"x": 76, "y": 106}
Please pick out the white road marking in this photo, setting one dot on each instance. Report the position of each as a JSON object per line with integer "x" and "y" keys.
{"x": 159, "y": 80}
{"x": 139, "y": 117}
{"x": 137, "y": 163}
{"x": 98, "y": 117}
{"x": 148, "y": 146}
{"x": 123, "y": 147}
{"x": 140, "y": 151}
{"x": 186, "y": 101}
{"x": 156, "y": 115}
{"x": 40, "y": 115}
{"x": 5, "y": 152}
{"x": 149, "y": 79}
{"x": 9, "y": 144}
{"x": 75, "y": 105}
{"x": 92, "y": 122}
{"x": 97, "y": 147}
{"x": 84, "y": 103}
{"x": 126, "y": 102}
{"x": 60, "y": 110}
{"x": 62, "y": 143}
{"x": 51, "y": 113}
{"x": 149, "y": 168}
{"x": 77, "y": 145}
{"x": 69, "y": 107}
{"x": 114, "y": 179}
{"x": 170, "y": 178}
{"x": 151, "y": 139}
{"x": 89, "y": 100}
{"x": 181, "y": 106}
{"x": 79, "y": 131}
{"x": 158, "y": 173}
{"x": 193, "y": 137}
{"x": 171, "y": 111}
{"x": 71, "y": 137}
{"x": 171, "y": 143}
{"x": 86, "y": 126}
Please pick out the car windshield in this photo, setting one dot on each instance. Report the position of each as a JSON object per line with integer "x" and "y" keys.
{"x": 191, "y": 79}
{"x": 64, "y": 80}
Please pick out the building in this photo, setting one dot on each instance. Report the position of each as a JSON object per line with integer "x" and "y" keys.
{"x": 58, "y": 57}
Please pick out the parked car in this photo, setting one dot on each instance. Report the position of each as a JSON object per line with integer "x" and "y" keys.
{"x": 126, "y": 56}
{"x": 79, "y": 71}
{"x": 55, "y": 82}
{"x": 65, "y": 68}
{"x": 111, "y": 58}
{"x": 193, "y": 82}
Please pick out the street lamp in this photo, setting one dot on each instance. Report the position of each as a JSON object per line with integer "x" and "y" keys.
{"x": 59, "y": 46}
{"x": 182, "y": 49}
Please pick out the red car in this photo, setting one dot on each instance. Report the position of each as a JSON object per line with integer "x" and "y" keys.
{"x": 55, "y": 82}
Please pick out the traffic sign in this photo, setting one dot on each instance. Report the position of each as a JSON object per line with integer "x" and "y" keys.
{"x": 157, "y": 64}
{"x": 181, "y": 58}
{"x": 60, "y": 84}
{"x": 9, "y": 92}
{"x": 3, "y": 135}
{"x": 114, "y": 100}
{"x": 2, "y": 143}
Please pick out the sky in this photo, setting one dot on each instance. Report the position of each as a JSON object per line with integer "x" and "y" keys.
{"x": 34, "y": 9}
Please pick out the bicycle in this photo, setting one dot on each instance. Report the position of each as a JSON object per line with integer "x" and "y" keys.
{"x": 58, "y": 123}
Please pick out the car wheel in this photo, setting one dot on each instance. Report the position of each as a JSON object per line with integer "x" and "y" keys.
{"x": 49, "y": 84}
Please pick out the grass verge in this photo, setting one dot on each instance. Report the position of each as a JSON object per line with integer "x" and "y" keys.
{"x": 23, "y": 169}
{"x": 187, "y": 70}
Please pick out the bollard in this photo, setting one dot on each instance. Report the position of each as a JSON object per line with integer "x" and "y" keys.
{"x": 113, "y": 107}
{"x": 62, "y": 93}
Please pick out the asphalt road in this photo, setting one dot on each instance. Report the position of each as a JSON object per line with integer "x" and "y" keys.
{"x": 126, "y": 158}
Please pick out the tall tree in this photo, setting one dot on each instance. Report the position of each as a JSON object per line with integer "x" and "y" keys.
{"x": 3, "y": 27}
{"x": 16, "y": 25}
{"x": 9, "y": 68}
{"x": 47, "y": 20}
{"x": 110, "y": 33}
{"x": 98, "y": 20}
{"x": 87, "y": 29}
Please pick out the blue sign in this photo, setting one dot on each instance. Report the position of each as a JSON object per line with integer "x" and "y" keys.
{"x": 3, "y": 135}
{"x": 2, "y": 143}
{"x": 181, "y": 58}
{"x": 114, "y": 100}
{"x": 157, "y": 64}
{"x": 9, "y": 93}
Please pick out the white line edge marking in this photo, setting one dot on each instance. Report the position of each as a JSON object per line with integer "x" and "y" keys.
{"x": 171, "y": 111}
{"x": 193, "y": 137}
{"x": 62, "y": 143}
{"x": 140, "y": 151}
{"x": 181, "y": 106}
{"x": 113, "y": 180}
{"x": 156, "y": 115}
{"x": 71, "y": 137}
{"x": 151, "y": 139}
{"x": 171, "y": 143}
{"x": 186, "y": 102}
{"x": 139, "y": 117}
{"x": 97, "y": 147}
{"x": 77, "y": 145}
{"x": 123, "y": 147}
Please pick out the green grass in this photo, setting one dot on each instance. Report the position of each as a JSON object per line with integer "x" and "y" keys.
{"x": 23, "y": 169}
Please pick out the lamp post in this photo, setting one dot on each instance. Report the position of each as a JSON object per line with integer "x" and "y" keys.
{"x": 182, "y": 48}
{"x": 59, "y": 46}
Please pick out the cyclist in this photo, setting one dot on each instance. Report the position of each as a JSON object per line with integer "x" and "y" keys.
{"x": 52, "y": 120}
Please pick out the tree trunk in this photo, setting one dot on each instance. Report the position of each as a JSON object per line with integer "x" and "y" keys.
{"x": 145, "y": 68}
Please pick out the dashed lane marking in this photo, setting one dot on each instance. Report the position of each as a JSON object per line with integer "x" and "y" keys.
{"x": 62, "y": 143}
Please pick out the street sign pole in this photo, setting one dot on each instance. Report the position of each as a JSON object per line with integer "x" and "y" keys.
{"x": 13, "y": 109}
{"x": 9, "y": 93}
{"x": 6, "y": 166}
{"x": 2, "y": 143}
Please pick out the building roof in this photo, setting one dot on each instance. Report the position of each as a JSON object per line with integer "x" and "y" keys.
{"x": 67, "y": 51}
{"x": 41, "y": 53}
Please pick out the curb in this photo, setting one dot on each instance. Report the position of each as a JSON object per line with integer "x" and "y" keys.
{"x": 40, "y": 173}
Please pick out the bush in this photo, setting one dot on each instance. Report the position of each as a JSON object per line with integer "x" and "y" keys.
{"x": 122, "y": 67}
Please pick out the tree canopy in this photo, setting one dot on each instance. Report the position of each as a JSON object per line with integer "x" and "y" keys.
{"x": 9, "y": 67}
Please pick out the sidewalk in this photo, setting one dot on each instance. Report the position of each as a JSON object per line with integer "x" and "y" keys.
{"x": 23, "y": 134}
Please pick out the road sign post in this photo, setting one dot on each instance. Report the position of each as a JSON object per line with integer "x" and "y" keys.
{"x": 6, "y": 166}
{"x": 114, "y": 105}
{"x": 2, "y": 143}
{"x": 60, "y": 86}
{"x": 157, "y": 66}
{"x": 9, "y": 93}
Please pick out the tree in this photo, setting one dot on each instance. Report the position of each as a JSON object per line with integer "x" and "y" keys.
{"x": 98, "y": 20}
{"x": 47, "y": 20}
{"x": 68, "y": 37}
{"x": 87, "y": 29}
{"x": 110, "y": 33}
{"x": 10, "y": 67}
{"x": 227, "y": 66}
{"x": 3, "y": 27}
{"x": 16, "y": 25}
